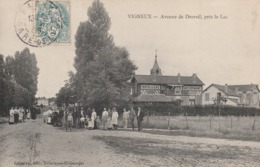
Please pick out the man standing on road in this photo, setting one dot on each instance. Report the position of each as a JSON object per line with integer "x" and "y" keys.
{"x": 132, "y": 117}
{"x": 140, "y": 117}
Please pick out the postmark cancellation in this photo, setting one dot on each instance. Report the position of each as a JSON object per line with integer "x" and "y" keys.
{"x": 40, "y": 23}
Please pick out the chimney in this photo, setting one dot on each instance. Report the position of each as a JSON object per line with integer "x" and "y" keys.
{"x": 194, "y": 78}
{"x": 226, "y": 88}
{"x": 179, "y": 78}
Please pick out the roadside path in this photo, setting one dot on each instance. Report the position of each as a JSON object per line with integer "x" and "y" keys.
{"x": 35, "y": 143}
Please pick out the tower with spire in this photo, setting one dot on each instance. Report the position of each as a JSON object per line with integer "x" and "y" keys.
{"x": 156, "y": 70}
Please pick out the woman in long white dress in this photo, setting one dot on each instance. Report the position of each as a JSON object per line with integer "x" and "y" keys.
{"x": 93, "y": 118}
{"x": 125, "y": 118}
{"x": 11, "y": 115}
{"x": 114, "y": 118}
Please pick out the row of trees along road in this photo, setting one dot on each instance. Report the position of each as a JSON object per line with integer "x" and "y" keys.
{"x": 102, "y": 68}
{"x": 18, "y": 80}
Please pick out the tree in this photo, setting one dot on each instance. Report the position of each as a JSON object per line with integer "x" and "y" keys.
{"x": 26, "y": 71}
{"x": 2, "y": 82}
{"x": 67, "y": 94}
{"x": 18, "y": 80}
{"x": 92, "y": 35}
{"x": 23, "y": 68}
{"x": 102, "y": 69}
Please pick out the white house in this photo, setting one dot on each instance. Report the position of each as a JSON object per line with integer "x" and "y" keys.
{"x": 42, "y": 101}
{"x": 235, "y": 95}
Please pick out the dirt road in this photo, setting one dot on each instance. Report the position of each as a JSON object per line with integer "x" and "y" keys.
{"x": 34, "y": 143}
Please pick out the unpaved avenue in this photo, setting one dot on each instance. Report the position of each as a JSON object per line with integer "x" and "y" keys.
{"x": 34, "y": 142}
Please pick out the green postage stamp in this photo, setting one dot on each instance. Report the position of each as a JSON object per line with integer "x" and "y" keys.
{"x": 42, "y": 22}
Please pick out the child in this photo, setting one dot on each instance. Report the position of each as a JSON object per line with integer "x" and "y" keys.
{"x": 69, "y": 121}
{"x": 20, "y": 116}
{"x": 49, "y": 119}
{"x": 98, "y": 122}
{"x": 90, "y": 124}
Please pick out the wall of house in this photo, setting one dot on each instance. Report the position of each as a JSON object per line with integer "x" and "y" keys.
{"x": 44, "y": 102}
{"x": 230, "y": 103}
{"x": 198, "y": 99}
{"x": 249, "y": 98}
{"x": 255, "y": 99}
{"x": 212, "y": 92}
{"x": 185, "y": 100}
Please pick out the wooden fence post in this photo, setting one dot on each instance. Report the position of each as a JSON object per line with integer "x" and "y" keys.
{"x": 210, "y": 126}
{"x": 187, "y": 126}
{"x": 253, "y": 127}
{"x": 169, "y": 117}
{"x": 231, "y": 123}
{"x": 219, "y": 118}
{"x": 148, "y": 115}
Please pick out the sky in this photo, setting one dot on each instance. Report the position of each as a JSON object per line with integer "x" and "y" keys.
{"x": 221, "y": 51}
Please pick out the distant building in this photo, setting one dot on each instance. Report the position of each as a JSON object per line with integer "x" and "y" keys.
{"x": 52, "y": 101}
{"x": 42, "y": 101}
{"x": 156, "y": 88}
{"x": 235, "y": 95}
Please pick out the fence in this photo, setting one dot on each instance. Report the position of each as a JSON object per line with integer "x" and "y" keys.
{"x": 224, "y": 125}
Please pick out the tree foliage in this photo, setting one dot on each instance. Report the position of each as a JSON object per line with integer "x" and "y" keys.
{"x": 67, "y": 94}
{"x": 18, "y": 80}
{"x": 25, "y": 70}
{"x": 102, "y": 68}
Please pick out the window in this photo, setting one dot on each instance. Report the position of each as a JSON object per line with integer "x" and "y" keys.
{"x": 206, "y": 96}
{"x": 177, "y": 90}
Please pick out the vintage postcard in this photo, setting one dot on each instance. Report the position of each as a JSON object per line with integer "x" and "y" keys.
{"x": 129, "y": 83}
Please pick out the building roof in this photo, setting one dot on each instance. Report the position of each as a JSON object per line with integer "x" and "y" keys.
{"x": 222, "y": 88}
{"x": 184, "y": 80}
{"x": 244, "y": 88}
{"x": 41, "y": 98}
{"x": 232, "y": 89}
{"x": 152, "y": 98}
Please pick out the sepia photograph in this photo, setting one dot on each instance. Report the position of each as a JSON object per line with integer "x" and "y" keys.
{"x": 129, "y": 83}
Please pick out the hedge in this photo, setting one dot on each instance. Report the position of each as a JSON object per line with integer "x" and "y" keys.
{"x": 174, "y": 110}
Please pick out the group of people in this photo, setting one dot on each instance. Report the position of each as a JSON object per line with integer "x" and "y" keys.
{"x": 85, "y": 121}
{"x": 89, "y": 119}
{"x": 110, "y": 118}
{"x": 19, "y": 114}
